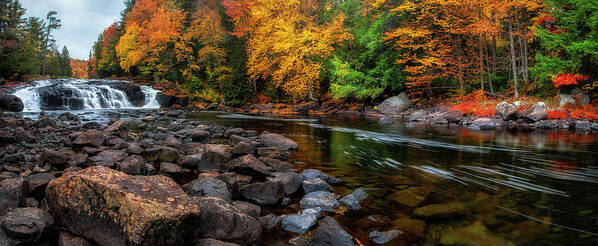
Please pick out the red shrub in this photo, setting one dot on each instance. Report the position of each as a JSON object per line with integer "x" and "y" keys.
{"x": 577, "y": 114}
{"x": 558, "y": 115}
{"x": 568, "y": 79}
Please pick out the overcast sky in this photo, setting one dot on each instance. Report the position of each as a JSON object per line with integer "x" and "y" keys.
{"x": 82, "y": 21}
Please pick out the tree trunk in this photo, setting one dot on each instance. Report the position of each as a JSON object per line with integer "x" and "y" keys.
{"x": 482, "y": 62}
{"x": 513, "y": 61}
{"x": 525, "y": 56}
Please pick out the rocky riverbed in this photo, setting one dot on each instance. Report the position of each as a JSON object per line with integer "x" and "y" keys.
{"x": 162, "y": 180}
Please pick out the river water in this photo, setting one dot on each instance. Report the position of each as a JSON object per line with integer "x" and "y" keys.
{"x": 538, "y": 188}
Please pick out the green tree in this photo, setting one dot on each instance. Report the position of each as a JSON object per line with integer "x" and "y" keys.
{"x": 64, "y": 60}
{"x": 52, "y": 23}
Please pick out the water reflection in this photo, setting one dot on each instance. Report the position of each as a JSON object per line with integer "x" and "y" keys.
{"x": 534, "y": 188}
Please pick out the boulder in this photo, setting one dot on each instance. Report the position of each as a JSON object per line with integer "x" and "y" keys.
{"x": 222, "y": 221}
{"x": 413, "y": 227}
{"x": 23, "y": 136}
{"x": 97, "y": 203}
{"x": 118, "y": 128}
{"x": 299, "y": 223}
{"x": 322, "y": 200}
{"x": 213, "y": 242}
{"x": 54, "y": 157}
{"x": 214, "y": 157}
{"x": 395, "y": 105}
{"x": 90, "y": 138}
{"x": 453, "y": 116}
{"x": 418, "y": 115}
{"x": 331, "y": 233}
{"x": 168, "y": 154}
{"x": 11, "y": 103}
{"x": 133, "y": 165}
{"x": 277, "y": 140}
{"x": 311, "y": 174}
{"x": 276, "y": 165}
{"x": 243, "y": 148}
{"x": 485, "y": 124}
{"x": 266, "y": 193}
{"x": 209, "y": 187}
{"x": 506, "y": 110}
{"x": 273, "y": 152}
{"x": 317, "y": 184}
{"x": 248, "y": 165}
{"x": 200, "y": 136}
{"x": 270, "y": 223}
{"x": 26, "y": 225}
{"x": 44, "y": 122}
{"x": 581, "y": 96}
{"x": 189, "y": 161}
{"x": 538, "y": 112}
{"x": 248, "y": 209}
{"x": 383, "y": 237}
{"x": 13, "y": 194}
{"x": 38, "y": 182}
{"x": 565, "y": 99}
{"x": 289, "y": 180}
{"x": 353, "y": 200}
{"x": 171, "y": 169}
{"x": 234, "y": 131}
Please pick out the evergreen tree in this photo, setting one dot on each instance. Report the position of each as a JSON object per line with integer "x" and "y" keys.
{"x": 65, "y": 63}
{"x": 52, "y": 23}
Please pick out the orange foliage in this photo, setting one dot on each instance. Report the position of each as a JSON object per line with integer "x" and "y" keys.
{"x": 262, "y": 99}
{"x": 79, "y": 68}
{"x": 476, "y": 104}
{"x": 564, "y": 79}
{"x": 558, "y": 115}
{"x": 588, "y": 112}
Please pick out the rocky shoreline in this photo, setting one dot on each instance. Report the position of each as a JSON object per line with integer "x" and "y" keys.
{"x": 162, "y": 180}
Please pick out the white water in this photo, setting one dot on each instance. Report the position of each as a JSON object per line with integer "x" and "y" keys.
{"x": 93, "y": 96}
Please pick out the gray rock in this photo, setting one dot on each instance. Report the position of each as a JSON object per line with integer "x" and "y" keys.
{"x": 201, "y": 136}
{"x": 248, "y": 165}
{"x": 352, "y": 200}
{"x": 418, "y": 115}
{"x": 214, "y": 158}
{"x": 243, "y": 148}
{"x": 322, "y": 200}
{"x": 266, "y": 193}
{"x": 234, "y": 131}
{"x": 270, "y": 222}
{"x": 299, "y": 241}
{"x": 299, "y": 223}
{"x": 506, "y": 110}
{"x": 222, "y": 221}
{"x": 331, "y": 233}
{"x": 311, "y": 174}
{"x": 383, "y": 237}
{"x": 133, "y": 165}
{"x": 565, "y": 99}
{"x": 26, "y": 224}
{"x": 276, "y": 165}
{"x": 584, "y": 99}
{"x": 538, "y": 112}
{"x": 189, "y": 161}
{"x": 209, "y": 188}
{"x": 213, "y": 242}
{"x": 248, "y": 209}
{"x": 289, "y": 180}
{"x": 317, "y": 184}
{"x": 38, "y": 182}
{"x": 395, "y": 105}
{"x": 277, "y": 140}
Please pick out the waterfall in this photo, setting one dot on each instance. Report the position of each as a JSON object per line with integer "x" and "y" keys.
{"x": 78, "y": 94}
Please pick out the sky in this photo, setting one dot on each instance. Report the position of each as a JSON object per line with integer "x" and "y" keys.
{"x": 82, "y": 21}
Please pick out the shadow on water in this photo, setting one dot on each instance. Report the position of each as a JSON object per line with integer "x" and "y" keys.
{"x": 538, "y": 188}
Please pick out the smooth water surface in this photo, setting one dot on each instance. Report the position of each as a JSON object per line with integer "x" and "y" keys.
{"x": 529, "y": 188}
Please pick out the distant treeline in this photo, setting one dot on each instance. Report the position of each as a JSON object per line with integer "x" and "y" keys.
{"x": 27, "y": 46}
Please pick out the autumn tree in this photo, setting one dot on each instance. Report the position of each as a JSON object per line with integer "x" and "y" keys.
{"x": 286, "y": 44}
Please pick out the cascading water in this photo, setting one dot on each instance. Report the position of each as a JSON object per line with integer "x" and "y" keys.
{"x": 77, "y": 94}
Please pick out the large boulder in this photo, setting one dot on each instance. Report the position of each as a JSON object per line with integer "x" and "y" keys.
{"x": 395, "y": 105}
{"x": 11, "y": 103}
{"x": 209, "y": 187}
{"x": 266, "y": 193}
{"x": 581, "y": 96}
{"x": 353, "y": 200}
{"x": 54, "y": 157}
{"x": 222, "y": 221}
{"x": 310, "y": 186}
{"x": 113, "y": 208}
{"x": 331, "y": 233}
{"x": 214, "y": 157}
{"x": 299, "y": 223}
{"x": 538, "y": 112}
{"x": 277, "y": 140}
{"x": 90, "y": 138}
{"x": 565, "y": 99}
{"x": 322, "y": 200}
{"x": 289, "y": 180}
{"x": 506, "y": 110}
{"x": 248, "y": 165}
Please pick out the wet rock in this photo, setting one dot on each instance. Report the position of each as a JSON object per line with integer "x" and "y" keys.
{"x": 44, "y": 122}
{"x": 583, "y": 125}
{"x": 11, "y": 103}
{"x": 278, "y": 141}
{"x": 353, "y": 200}
{"x": 221, "y": 220}
{"x": 118, "y": 128}
{"x": 133, "y": 165}
{"x": 26, "y": 225}
{"x": 270, "y": 223}
{"x": 317, "y": 184}
{"x": 90, "y": 138}
{"x": 483, "y": 124}
{"x": 273, "y": 152}
{"x": 410, "y": 198}
{"x": 453, "y": 116}
{"x": 234, "y": 131}
{"x": 331, "y": 233}
{"x": 13, "y": 194}
{"x": 311, "y": 174}
{"x": 395, "y": 105}
{"x": 411, "y": 226}
{"x": 68, "y": 239}
{"x": 322, "y": 200}
{"x": 441, "y": 211}
{"x": 299, "y": 223}
{"x": 474, "y": 235}
{"x": 15, "y": 158}
{"x": 234, "y": 139}
{"x": 230, "y": 179}
{"x": 248, "y": 165}
{"x": 243, "y": 148}
{"x": 289, "y": 180}
{"x": 168, "y": 154}
{"x": 383, "y": 237}
{"x": 248, "y": 209}
{"x": 276, "y": 165}
{"x": 84, "y": 203}
{"x": 54, "y": 157}
{"x": 266, "y": 193}
{"x": 209, "y": 187}
{"x": 299, "y": 241}
{"x": 213, "y": 242}
{"x": 214, "y": 158}
{"x": 171, "y": 169}
{"x": 200, "y": 136}
{"x": 506, "y": 110}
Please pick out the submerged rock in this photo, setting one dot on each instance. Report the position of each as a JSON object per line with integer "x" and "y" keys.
{"x": 277, "y": 140}
{"x": 410, "y": 198}
{"x": 311, "y": 174}
{"x": 331, "y": 233}
{"x": 98, "y": 202}
{"x": 317, "y": 184}
{"x": 353, "y": 200}
{"x": 383, "y": 237}
{"x": 441, "y": 211}
{"x": 322, "y": 200}
{"x": 474, "y": 235}
{"x": 299, "y": 223}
